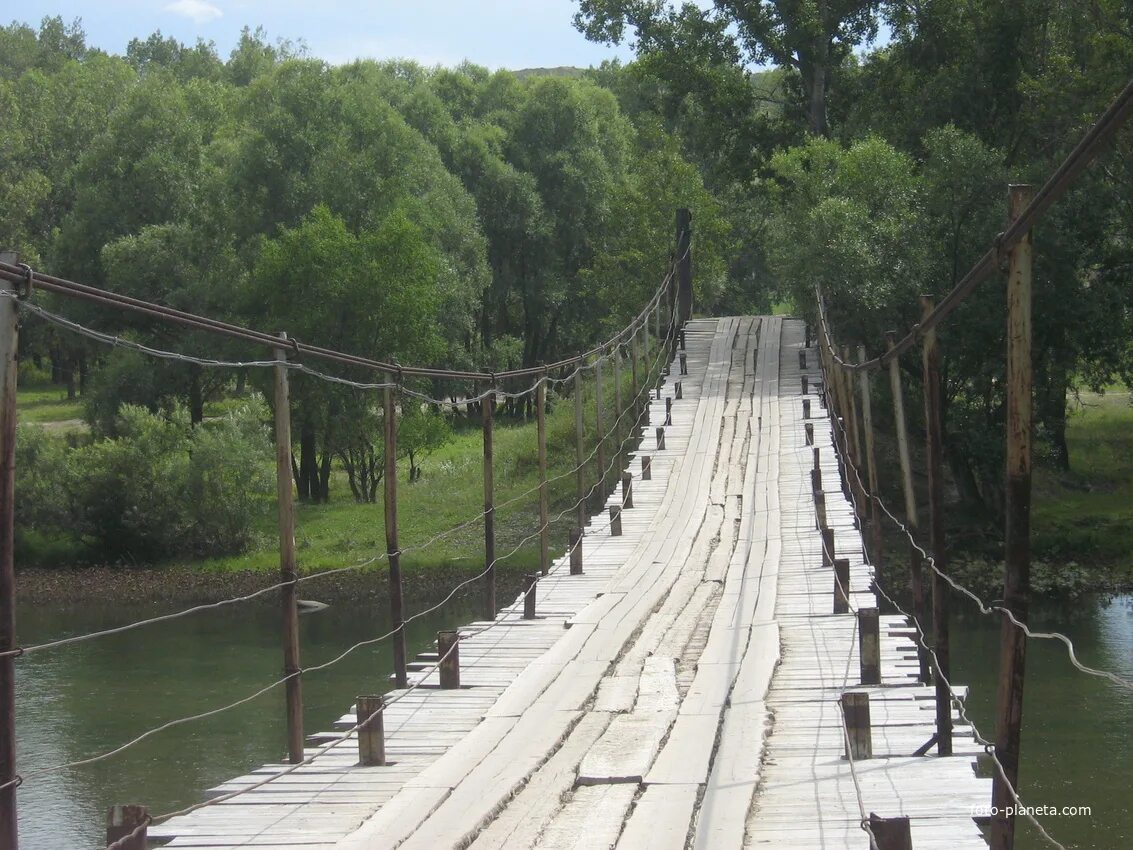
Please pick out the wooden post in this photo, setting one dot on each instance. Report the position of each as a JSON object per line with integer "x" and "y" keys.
{"x": 489, "y": 509}
{"x": 448, "y": 651}
{"x": 288, "y": 571}
{"x": 544, "y": 499}
{"x": 684, "y": 363}
{"x": 819, "y": 507}
{"x": 646, "y": 468}
{"x": 396, "y": 595}
{"x": 575, "y": 541}
{"x": 370, "y": 714}
{"x": 805, "y": 384}
{"x": 806, "y": 408}
{"x": 529, "y": 583}
{"x": 817, "y": 467}
{"x": 9, "y": 345}
{"x": 841, "y": 585}
{"x": 618, "y": 408}
{"x": 627, "y": 490}
{"x": 802, "y": 359}
{"x": 601, "y": 432}
{"x": 678, "y": 390}
{"x": 871, "y": 464}
{"x": 657, "y": 327}
{"x": 668, "y": 410}
{"x": 682, "y": 338}
{"x": 808, "y": 429}
{"x": 855, "y": 714}
{"x": 645, "y": 351}
{"x": 827, "y": 535}
{"x": 1017, "y": 544}
{"x": 684, "y": 267}
{"x": 660, "y": 439}
{"x": 869, "y": 645}
{"x": 579, "y": 453}
{"x": 615, "y": 520}
{"x": 127, "y": 821}
{"x": 635, "y": 386}
{"x": 857, "y": 470}
{"x": 916, "y": 583}
{"x": 891, "y": 833}
{"x": 934, "y": 438}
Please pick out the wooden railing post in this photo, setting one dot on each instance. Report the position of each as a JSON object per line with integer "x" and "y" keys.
{"x": 635, "y": 386}
{"x": 598, "y": 420}
{"x": 891, "y": 833}
{"x": 841, "y": 585}
{"x": 448, "y": 651}
{"x": 579, "y": 453}
{"x": 853, "y": 429}
{"x": 530, "y": 582}
{"x": 827, "y": 535}
{"x": 934, "y": 439}
{"x": 1017, "y": 544}
{"x": 9, "y": 346}
{"x": 869, "y": 645}
{"x": 544, "y": 498}
{"x": 486, "y": 420}
{"x": 871, "y": 464}
{"x": 618, "y": 408}
{"x": 646, "y": 468}
{"x": 916, "y": 583}
{"x": 615, "y": 520}
{"x": 627, "y": 490}
{"x": 288, "y": 570}
{"x": 370, "y": 717}
{"x": 855, "y": 714}
{"x": 684, "y": 266}
{"x": 574, "y": 539}
{"x": 396, "y": 594}
{"x": 127, "y": 822}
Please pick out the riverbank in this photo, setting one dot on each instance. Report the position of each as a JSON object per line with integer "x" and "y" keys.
{"x": 194, "y": 586}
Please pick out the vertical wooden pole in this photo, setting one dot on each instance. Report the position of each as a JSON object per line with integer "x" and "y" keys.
{"x": 916, "y": 583}
{"x": 123, "y": 821}
{"x": 574, "y": 540}
{"x": 448, "y": 651}
{"x": 646, "y": 468}
{"x": 530, "y": 582}
{"x": 934, "y": 440}
{"x": 287, "y": 563}
{"x": 9, "y": 345}
{"x": 627, "y": 490}
{"x": 544, "y": 498}
{"x": 855, "y": 714}
{"x": 579, "y": 453}
{"x": 871, "y": 463}
{"x": 891, "y": 833}
{"x": 616, "y": 430}
{"x": 660, "y": 438}
{"x": 396, "y": 594}
{"x": 615, "y": 520}
{"x": 854, "y": 430}
{"x": 869, "y": 645}
{"x": 657, "y": 329}
{"x": 635, "y": 386}
{"x": 684, "y": 266}
{"x": 1017, "y": 546}
{"x": 841, "y": 585}
{"x": 601, "y": 476}
{"x": 370, "y": 717}
{"x": 827, "y": 535}
{"x": 486, "y": 418}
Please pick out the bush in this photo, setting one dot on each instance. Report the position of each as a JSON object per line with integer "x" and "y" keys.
{"x": 161, "y": 489}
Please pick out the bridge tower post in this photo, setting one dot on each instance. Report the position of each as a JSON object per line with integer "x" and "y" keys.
{"x": 544, "y": 499}
{"x": 940, "y": 589}
{"x": 684, "y": 266}
{"x": 1017, "y": 544}
{"x": 288, "y": 569}
{"x": 393, "y": 552}
{"x": 9, "y": 331}
{"x": 486, "y": 423}
{"x": 871, "y": 464}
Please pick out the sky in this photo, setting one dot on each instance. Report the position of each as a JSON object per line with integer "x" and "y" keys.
{"x": 496, "y": 33}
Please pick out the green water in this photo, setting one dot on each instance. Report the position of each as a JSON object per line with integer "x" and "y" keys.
{"x": 78, "y": 701}
{"x": 81, "y": 700}
{"x": 1077, "y": 744}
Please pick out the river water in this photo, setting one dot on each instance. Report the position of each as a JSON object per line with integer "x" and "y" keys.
{"x": 78, "y": 701}
{"x": 82, "y": 700}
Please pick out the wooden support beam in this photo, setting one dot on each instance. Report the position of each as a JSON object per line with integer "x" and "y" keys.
{"x": 875, "y": 535}
{"x": 9, "y": 347}
{"x": 370, "y": 714}
{"x": 891, "y": 833}
{"x": 574, "y": 539}
{"x": 615, "y": 520}
{"x": 935, "y": 455}
{"x": 393, "y": 551}
{"x": 855, "y": 714}
{"x": 448, "y": 651}
{"x": 530, "y": 581}
{"x": 128, "y": 825}
{"x": 544, "y": 496}
{"x": 916, "y": 582}
{"x": 841, "y": 585}
{"x": 486, "y": 420}
{"x": 1017, "y": 542}
{"x": 288, "y": 569}
{"x": 869, "y": 645}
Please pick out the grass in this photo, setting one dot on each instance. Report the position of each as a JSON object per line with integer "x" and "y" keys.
{"x": 46, "y": 404}
{"x": 1085, "y": 516}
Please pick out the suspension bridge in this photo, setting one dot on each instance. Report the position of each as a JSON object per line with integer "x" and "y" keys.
{"x": 707, "y": 665}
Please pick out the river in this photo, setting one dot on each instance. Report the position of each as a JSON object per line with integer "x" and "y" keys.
{"x": 78, "y": 701}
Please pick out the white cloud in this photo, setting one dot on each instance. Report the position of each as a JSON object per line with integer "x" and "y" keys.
{"x": 199, "y": 11}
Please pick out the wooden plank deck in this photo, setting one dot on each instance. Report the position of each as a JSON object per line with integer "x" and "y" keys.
{"x": 681, "y": 693}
